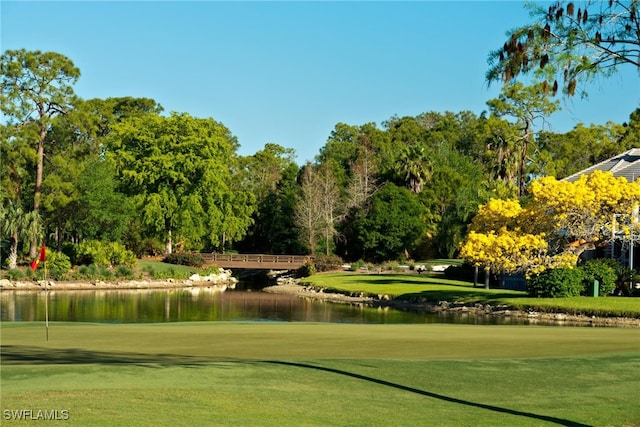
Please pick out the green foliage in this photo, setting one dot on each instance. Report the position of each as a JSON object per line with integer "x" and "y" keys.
{"x": 391, "y": 224}
{"x": 556, "y": 283}
{"x": 104, "y": 254}
{"x": 15, "y": 274}
{"x": 602, "y": 270}
{"x": 58, "y": 266}
{"x": 184, "y": 258}
{"x": 124, "y": 272}
{"x": 356, "y": 265}
{"x": 327, "y": 262}
{"x": 307, "y": 269}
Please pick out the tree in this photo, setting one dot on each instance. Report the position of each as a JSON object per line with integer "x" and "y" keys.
{"x": 179, "y": 169}
{"x": 308, "y": 212}
{"x": 561, "y": 155}
{"x": 388, "y": 226}
{"x": 35, "y": 87}
{"x": 583, "y": 209}
{"x": 527, "y": 105}
{"x": 17, "y": 225}
{"x": 570, "y": 42}
{"x": 568, "y": 216}
{"x": 271, "y": 176}
{"x": 101, "y": 212}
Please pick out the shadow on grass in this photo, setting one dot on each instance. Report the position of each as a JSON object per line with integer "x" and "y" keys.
{"x": 23, "y": 355}
{"x": 546, "y": 418}
{"x": 461, "y": 295}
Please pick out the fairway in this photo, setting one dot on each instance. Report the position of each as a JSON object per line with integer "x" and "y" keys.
{"x": 218, "y": 373}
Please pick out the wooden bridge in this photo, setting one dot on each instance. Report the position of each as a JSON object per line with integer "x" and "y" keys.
{"x": 256, "y": 261}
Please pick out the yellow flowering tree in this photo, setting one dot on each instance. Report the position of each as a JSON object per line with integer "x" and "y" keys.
{"x": 506, "y": 237}
{"x": 588, "y": 208}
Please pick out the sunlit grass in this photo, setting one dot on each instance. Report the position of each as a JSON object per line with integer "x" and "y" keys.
{"x": 434, "y": 289}
{"x": 257, "y": 374}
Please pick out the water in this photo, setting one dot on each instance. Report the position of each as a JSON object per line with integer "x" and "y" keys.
{"x": 207, "y": 304}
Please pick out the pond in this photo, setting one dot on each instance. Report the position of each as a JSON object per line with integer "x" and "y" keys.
{"x": 207, "y": 304}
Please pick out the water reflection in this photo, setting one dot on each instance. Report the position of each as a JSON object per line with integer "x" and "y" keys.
{"x": 207, "y": 304}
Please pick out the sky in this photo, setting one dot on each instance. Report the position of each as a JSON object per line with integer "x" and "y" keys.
{"x": 288, "y": 72}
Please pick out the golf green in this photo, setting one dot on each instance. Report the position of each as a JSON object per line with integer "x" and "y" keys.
{"x": 218, "y": 373}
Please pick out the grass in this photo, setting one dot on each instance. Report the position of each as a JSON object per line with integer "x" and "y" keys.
{"x": 433, "y": 288}
{"x": 217, "y": 373}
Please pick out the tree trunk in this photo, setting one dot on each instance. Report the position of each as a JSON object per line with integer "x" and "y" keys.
{"x": 487, "y": 275}
{"x": 169, "y": 244}
{"x": 13, "y": 253}
{"x": 475, "y": 276}
{"x": 33, "y": 248}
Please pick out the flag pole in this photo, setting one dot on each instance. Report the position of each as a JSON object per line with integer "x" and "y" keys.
{"x": 46, "y": 301}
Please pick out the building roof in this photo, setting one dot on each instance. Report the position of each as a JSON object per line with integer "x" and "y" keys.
{"x": 626, "y": 165}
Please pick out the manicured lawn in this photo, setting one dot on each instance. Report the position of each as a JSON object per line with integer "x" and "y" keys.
{"x": 218, "y": 373}
{"x": 433, "y": 288}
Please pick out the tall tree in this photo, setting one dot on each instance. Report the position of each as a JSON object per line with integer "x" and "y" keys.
{"x": 36, "y": 86}
{"x": 527, "y": 105}
{"x": 271, "y": 175}
{"x": 563, "y": 154}
{"x": 308, "y": 212}
{"x": 179, "y": 169}
{"x": 390, "y": 225}
{"x": 570, "y": 42}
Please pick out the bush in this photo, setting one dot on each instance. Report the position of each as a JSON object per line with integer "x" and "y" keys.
{"x": 328, "y": 262}
{"x": 58, "y": 266}
{"x": 185, "y": 258}
{"x": 92, "y": 252}
{"x": 308, "y": 269}
{"x": 104, "y": 254}
{"x": 15, "y": 274}
{"x": 125, "y": 272}
{"x": 602, "y": 270}
{"x": 87, "y": 272}
{"x": 556, "y": 283}
{"x": 120, "y": 256}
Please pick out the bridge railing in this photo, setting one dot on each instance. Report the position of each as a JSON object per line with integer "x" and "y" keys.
{"x": 255, "y": 258}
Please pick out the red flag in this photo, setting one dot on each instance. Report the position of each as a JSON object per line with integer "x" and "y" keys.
{"x": 42, "y": 257}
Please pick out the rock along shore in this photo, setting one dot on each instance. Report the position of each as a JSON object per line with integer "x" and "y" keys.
{"x": 291, "y": 287}
{"x": 223, "y": 280}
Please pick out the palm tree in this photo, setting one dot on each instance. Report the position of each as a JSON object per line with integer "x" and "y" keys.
{"x": 16, "y": 225}
{"x": 414, "y": 167}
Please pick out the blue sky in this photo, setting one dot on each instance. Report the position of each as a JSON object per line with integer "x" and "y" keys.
{"x": 288, "y": 72}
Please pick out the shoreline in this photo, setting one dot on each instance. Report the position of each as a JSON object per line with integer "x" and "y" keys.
{"x": 289, "y": 288}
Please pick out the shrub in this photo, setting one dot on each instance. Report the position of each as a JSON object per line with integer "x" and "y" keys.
{"x": 556, "y": 283}
{"x": 15, "y": 274}
{"x": 125, "y": 272}
{"x": 88, "y": 272}
{"x": 104, "y": 254}
{"x": 602, "y": 270}
{"x": 120, "y": 256}
{"x": 328, "y": 262}
{"x": 308, "y": 269}
{"x": 58, "y": 266}
{"x": 185, "y": 258}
